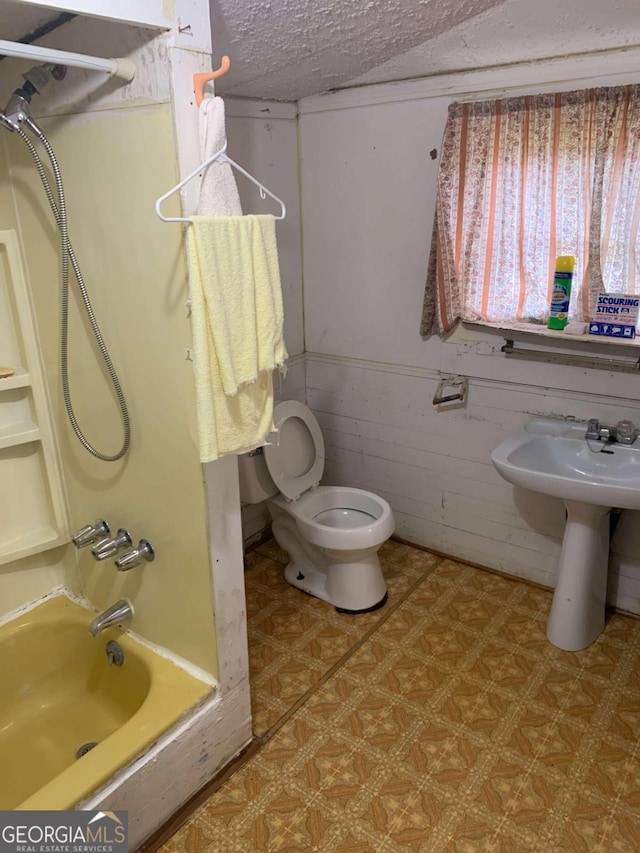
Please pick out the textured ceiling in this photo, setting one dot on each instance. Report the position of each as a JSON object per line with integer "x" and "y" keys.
{"x": 286, "y": 49}
{"x": 514, "y": 31}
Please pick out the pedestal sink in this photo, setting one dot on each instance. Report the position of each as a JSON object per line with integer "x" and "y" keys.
{"x": 554, "y": 458}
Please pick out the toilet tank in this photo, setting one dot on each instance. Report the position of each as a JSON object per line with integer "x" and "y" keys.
{"x": 256, "y": 484}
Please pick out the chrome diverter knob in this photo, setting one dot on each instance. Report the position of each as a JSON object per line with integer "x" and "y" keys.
{"x": 109, "y": 547}
{"x": 91, "y": 533}
{"x": 131, "y": 559}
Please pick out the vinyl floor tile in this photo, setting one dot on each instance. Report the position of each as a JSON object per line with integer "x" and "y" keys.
{"x": 454, "y": 726}
{"x": 294, "y": 639}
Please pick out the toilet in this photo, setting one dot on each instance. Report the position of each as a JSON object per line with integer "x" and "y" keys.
{"x": 332, "y": 534}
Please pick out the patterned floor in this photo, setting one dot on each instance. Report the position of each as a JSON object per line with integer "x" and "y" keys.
{"x": 294, "y": 640}
{"x": 453, "y": 726}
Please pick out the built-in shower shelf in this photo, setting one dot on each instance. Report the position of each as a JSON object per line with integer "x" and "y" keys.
{"x": 20, "y": 379}
{"x": 32, "y": 502}
{"x": 30, "y": 543}
{"x": 24, "y": 433}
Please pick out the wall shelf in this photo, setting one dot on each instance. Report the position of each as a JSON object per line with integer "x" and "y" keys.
{"x": 16, "y": 434}
{"x": 20, "y": 379}
{"x": 31, "y": 543}
{"x": 32, "y": 502}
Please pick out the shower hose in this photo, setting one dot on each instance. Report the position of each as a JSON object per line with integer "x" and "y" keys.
{"x": 59, "y": 211}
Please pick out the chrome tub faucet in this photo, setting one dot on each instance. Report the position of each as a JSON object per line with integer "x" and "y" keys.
{"x": 120, "y": 613}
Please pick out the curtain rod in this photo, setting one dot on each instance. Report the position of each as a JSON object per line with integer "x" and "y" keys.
{"x": 124, "y": 69}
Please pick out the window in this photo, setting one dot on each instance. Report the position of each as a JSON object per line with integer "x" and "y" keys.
{"x": 523, "y": 180}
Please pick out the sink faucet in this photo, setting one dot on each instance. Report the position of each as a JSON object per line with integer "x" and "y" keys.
{"x": 598, "y": 431}
{"x": 118, "y": 614}
{"x": 624, "y": 432}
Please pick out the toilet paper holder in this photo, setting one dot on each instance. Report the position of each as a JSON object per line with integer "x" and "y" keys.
{"x": 451, "y": 389}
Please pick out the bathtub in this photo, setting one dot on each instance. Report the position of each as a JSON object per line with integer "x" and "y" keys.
{"x": 59, "y": 694}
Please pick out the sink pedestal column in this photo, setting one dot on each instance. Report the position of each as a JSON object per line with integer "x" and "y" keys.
{"x": 577, "y": 611}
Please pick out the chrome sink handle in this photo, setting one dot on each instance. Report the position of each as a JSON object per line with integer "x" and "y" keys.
{"x": 626, "y": 432}
{"x": 593, "y": 429}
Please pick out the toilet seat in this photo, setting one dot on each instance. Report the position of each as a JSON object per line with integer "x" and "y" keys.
{"x": 295, "y": 454}
{"x": 370, "y": 522}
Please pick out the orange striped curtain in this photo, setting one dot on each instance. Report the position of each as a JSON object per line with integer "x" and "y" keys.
{"x": 523, "y": 180}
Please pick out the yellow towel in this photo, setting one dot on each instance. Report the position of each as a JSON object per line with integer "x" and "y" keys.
{"x": 236, "y": 307}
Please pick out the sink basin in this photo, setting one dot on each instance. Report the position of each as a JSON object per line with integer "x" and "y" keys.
{"x": 554, "y": 458}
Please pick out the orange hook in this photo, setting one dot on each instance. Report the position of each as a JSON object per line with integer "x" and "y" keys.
{"x": 200, "y": 79}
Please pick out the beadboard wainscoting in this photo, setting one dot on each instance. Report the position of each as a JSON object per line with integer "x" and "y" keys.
{"x": 382, "y": 433}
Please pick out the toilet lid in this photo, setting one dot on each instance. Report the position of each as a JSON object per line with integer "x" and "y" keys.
{"x": 295, "y": 453}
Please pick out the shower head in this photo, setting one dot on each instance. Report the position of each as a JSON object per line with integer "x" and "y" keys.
{"x": 18, "y": 109}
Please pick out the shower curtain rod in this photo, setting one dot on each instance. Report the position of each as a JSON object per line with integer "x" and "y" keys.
{"x": 124, "y": 69}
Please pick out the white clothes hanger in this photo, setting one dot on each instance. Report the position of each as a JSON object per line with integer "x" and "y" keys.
{"x": 221, "y": 157}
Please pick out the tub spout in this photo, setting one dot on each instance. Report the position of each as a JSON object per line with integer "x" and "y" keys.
{"x": 118, "y": 614}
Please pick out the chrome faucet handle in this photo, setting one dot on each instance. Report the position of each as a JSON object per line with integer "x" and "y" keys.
{"x": 626, "y": 432}
{"x": 90, "y": 533}
{"x": 109, "y": 547}
{"x": 593, "y": 429}
{"x": 131, "y": 559}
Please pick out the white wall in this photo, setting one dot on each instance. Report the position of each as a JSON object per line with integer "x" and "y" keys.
{"x": 263, "y": 139}
{"x": 368, "y": 190}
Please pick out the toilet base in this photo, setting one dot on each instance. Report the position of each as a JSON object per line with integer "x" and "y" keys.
{"x": 353, "y": 586}
{"x": 350, "y": 580}
{"x": 377, "y": 606}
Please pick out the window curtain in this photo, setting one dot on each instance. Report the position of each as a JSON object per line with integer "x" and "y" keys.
{"x": 521, "y": 181}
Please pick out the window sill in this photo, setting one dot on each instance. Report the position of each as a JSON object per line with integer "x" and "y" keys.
{"x": 529, "y": 342}
{"x": 541, "y": 332}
